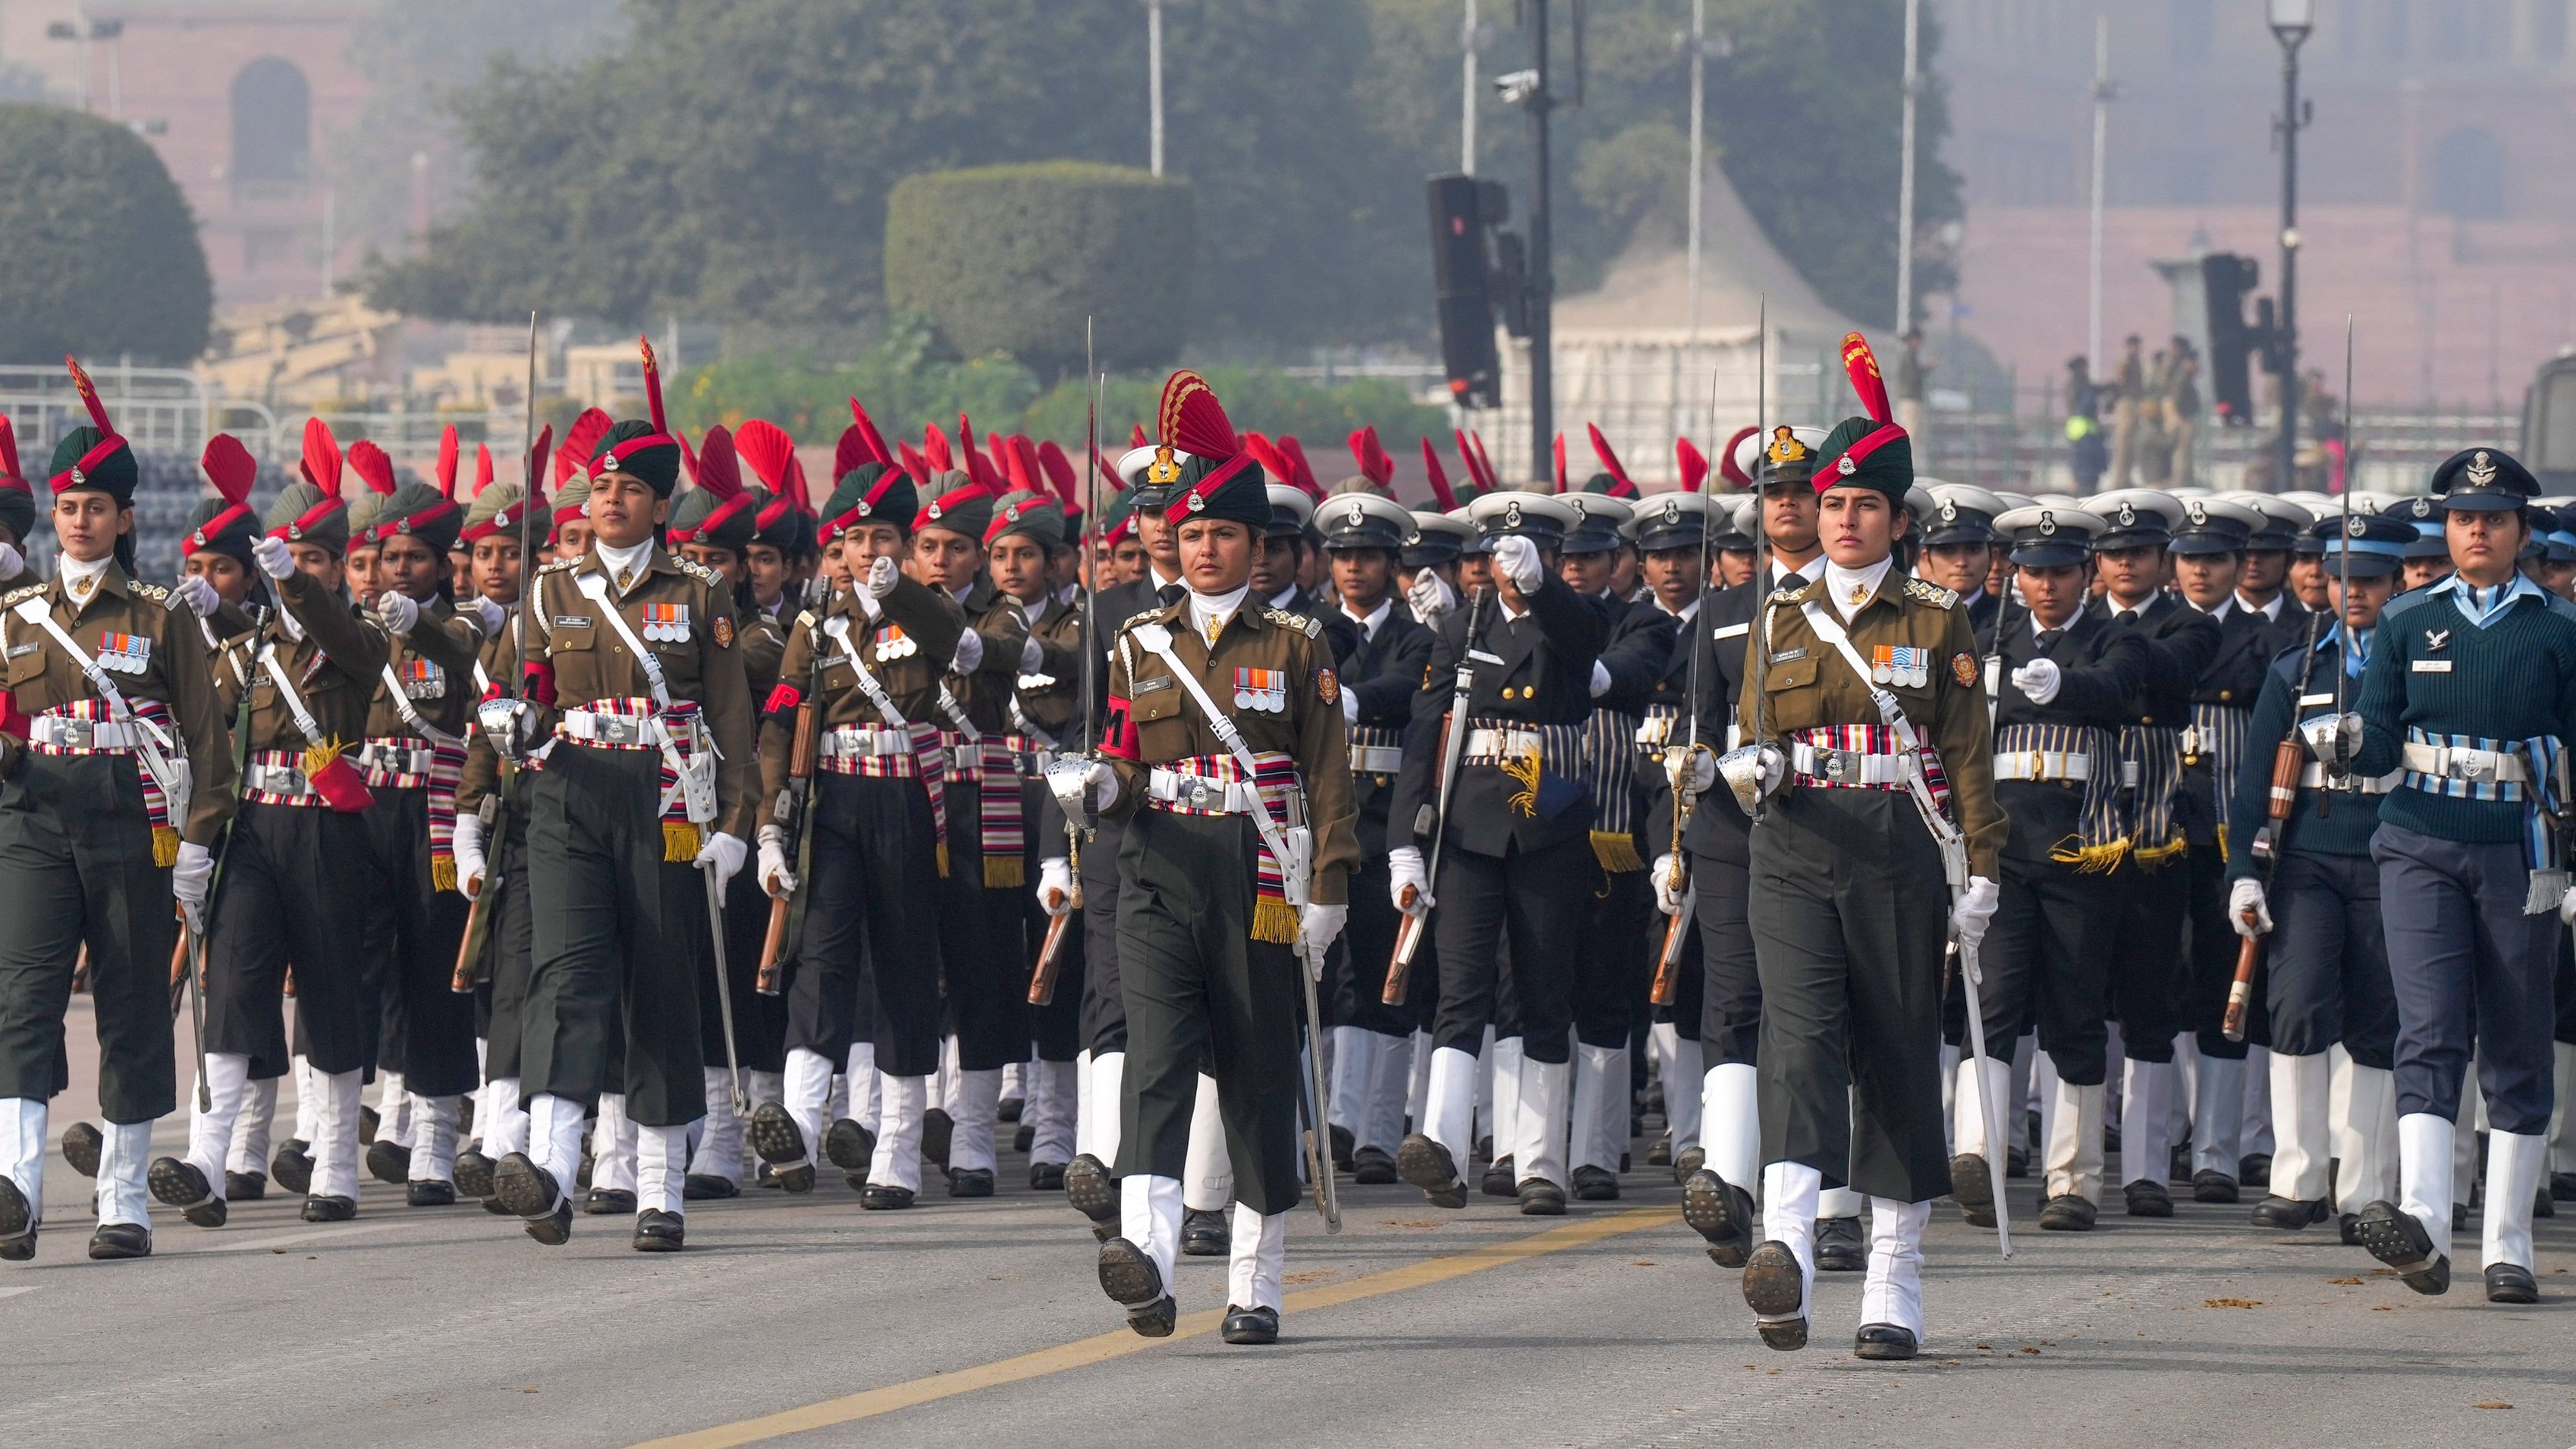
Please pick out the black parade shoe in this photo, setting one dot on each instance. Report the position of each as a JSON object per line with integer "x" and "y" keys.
{"x": 2511, "y": 1283}
{"x": 82, "y": 1143}
{"x": 2068, "y": 1213}
{"x": 1130, "y": 1278}
{"x": 1250, "y": 1325}
{"x": 1595, "y": 1184}
{"x": 1840, "y": 1247}
{"x": 2211, "y": 1185}
{"x": 1427, "y": 1165}
{"x": 2254, "y": 1169}
{"x": 937, "y": 1129}
{"x": 182, "y": 1185}
{"x": 1500, "y": 1180}
{"x": 245, "y": 1186}
{"x": 389, "y": 1162}
{"x": 774, "y": 1136}
{"x": 1372, "y": 1166}
{"x": 1046, "y": 1177}
{"x": 608, "y": 1202}
{"x": 1721, "y": 1212}
{"x": 473, "y": 1174}
{"x": 657, "y": 1231}
{"x": 2148, "y": 1199}
{"x": 2016, "y": 1163}
{"x": 880, "y": 1198}
{"x": 797, "y": 1180}
{"x": 1024, "y": 1138}
{"x": 2394, "y": 1237}
{"x": 1661, "y": 1154}
{"x": 708, "y": 1187}
{"x": 368, "y": 1121}
{"x": 329, "y": 1208}
{"x": 1773, "y": 1287}
{"x": 1884, "y": 1341}
{"x": 2348, "y": 1225}
{"x": 1972, "y": 1184}
{"x": 524, "y": 1190}
{"x": 120, "y": 1240}
{"x": 17, "y": 1223}
{"x": 1691, "y": 1160}
{"x": 1090, "y": 1189}
{"x": 1344, "y": 1144}
{"x": 849, "y": 1146}
{"x": 1541, "y": 1198}
{"x": 292, "y": 1167}
{"x": 429, "y": 1192}
{"x": 1203, "y": 1233}
{"x": 970, "y": 1182}
{"x": 2288, "y": 1214}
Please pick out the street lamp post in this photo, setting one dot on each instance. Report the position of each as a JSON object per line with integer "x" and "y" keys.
{"x": 1467, "y": 105}
{"x": 1542, "y": 278}
{"x": 2103, "y": 91}
{"x": 2292, "y": 21}
{"x": 1905, "y": 181}
{"x": 1154, "y": 63}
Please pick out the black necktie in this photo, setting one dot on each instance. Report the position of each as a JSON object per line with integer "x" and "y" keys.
{"x": 1170, "y": 594}
{"x": 2128, "y": 616}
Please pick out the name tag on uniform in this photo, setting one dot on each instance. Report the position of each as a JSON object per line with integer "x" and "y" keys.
{"x": 2432, "y": 666}
{"x": 1150, "y": 686}
{"x": 2310, "y": 701}
{"x": 1265, "y": 690}
{"x": 422, "y": 679}
{"x": 21, "y": 651}
{"x": 572, "y": 621}
{"x": 893, "y": 643}
{"x": 666, "y": 623}
{"x": 124, "y": 653}
{"x": 1789, "y": 656}
{"x": 1731, "y": 631}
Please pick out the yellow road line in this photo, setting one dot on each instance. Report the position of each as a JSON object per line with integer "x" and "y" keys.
{"x": 1083, "y": 1352}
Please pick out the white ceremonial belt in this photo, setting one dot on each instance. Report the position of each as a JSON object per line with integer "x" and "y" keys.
{"x": 860, "y": 742}
{"x": 394, "y": 759}
{"x": 1846, "y": 767}
{"x": 1197, "y": 792}
{"x": 1484, "y": 747}
{"x": 2466, "y": 764}
{"x": 2312, "y": 776}
{"x": 622, "y": 731}
{"x": 2059, "y": 766}
{"x": 1376, "y": 759}
{"x": 276, "y": 780}
{"x": 58, "y": 732}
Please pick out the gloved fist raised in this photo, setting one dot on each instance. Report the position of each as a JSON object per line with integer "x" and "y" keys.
{"x": 882, "y": 573}
{"x": 776, "y": 876}
{"x": 274, "y": 558}
{"x": 1405, "y": 870}
{"x": 490, "y": 617}
{"x": 2244, "y": 899}
{"x": 1672, "y": 887}
{"x": 397, "y": 611}
{"x": 193, "y": 591}
{"x": 1055, "y": 885}
{"x": 1517, "y": 559}
{"x": 722, "y": 856}
{"x": 471, "y": 863}
{"x": 1429, "y": 596}
{"x": 2039, "y": 680}
{"x": 2567, "y": 906}
{"x": 11, "y": 561}
{"x": 970, "y": 653}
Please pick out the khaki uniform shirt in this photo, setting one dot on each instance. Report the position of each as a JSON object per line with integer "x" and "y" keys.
{"x": 1153, "y": 720}
{"x": 905, "y": 650}
{"x": 1049, "y": 695}
{"x": 1807, "y": 684}
{"x": 336, "y": 668}
{"x": 39, "y": 676}
{"x": 447, "y": 643}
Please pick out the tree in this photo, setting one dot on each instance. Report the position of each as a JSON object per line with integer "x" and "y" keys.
{"x": 1015, "y": 259}
{"x": 98, "y": 253}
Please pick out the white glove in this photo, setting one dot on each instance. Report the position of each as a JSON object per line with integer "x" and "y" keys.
{"x": 11, "y": 560}
{"x": 506, "y": 723}
{"x": 722, "y": 856}
{"x": 272, "y": 555}
{"x": 189, "y": 880}
{"x": 1670, "y": 885}
{"x": 1518, "y": 560}
{"x": 1976, "y": 907}
{"x": 1693, "y": 772}
{"x": 2247, "y": 895}
{"x": 1404, "y": 868}
{"x": 776, "y": 876}
{"x": 471, "y": 865}
{"x": 1031, "y": 655}
{"x": 1055, "y": 885}
{"x": 1600, "y": 679}
{"x": 2039, "y": 680}
{"x": 1066, "y": 779}
{"x": 397, "y": 611}
{"x": 970, "y": 653}
{"x": 2567, "y": 906}
{"x": 1318, "y": 926}
{"x": 1430, "y": 596}
{"x": 490, "y": 617}
{"x": 193, "y": 591}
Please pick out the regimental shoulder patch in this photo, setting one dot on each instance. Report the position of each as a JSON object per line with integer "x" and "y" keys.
{"x": 722, "y": 628}
{"x": 1300, "y": 622}
{"x": 1963, "y": 668}
{"x": 1933, "y": 594}
{"x": 1327, "y": 688}
{"x": 28, "y": 592}
{"x": 154, "y": 592}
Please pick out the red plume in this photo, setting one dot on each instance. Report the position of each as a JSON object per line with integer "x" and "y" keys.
{"x": 1117, "y": 480}
{"x": 878, "y": 452}
{"x": 1136, "y": 436}
{"x": 1027, "y": 476}
{"x": 587, "y": 430}
{"x": 1059, "y": 471}
{"x": 1727, "y": 467}
{"x": 979, "y": 469}
{"x": 1560, "y": 462}
{"x": 371, "y": 463}
{"x": 915, "y": 464}
{"x": 536, "y": 455}
{"x": 1467, "y": 455}
{"x": 1624, "y": 487}
{"x": 653, "y": 385}
{"x": 770, "y": 452}
{"x": 447, "y": 461}
{"x": 482, "y": 468}
{"x": 797, "y": 488}
{"x": 321, "y": 462}
{"x": 1862, "y": 364}
{"x": 1304, "y": 474}
{"x": 1694, "y": 467}
{"x": 9, "y": 454}
{"x": 1485, "y": 461}
{"x": 934, "y": 450}
{"x": 1272, "y": 461}
{"x": 719, "y": 468}
{"x": 89, "y": 397}
{"x": 1439, "y": 477}
{"x": 1193, "y": 421}
{"x": 688, "y": 455}
{"x": 228, "y": 465}
{"x": 1375, "y": 465}
{"x": 850, "y": 452}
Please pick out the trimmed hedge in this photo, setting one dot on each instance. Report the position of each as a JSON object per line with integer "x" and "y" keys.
{"x": 98, "y": 254}
{"x": 1011, "y": 259}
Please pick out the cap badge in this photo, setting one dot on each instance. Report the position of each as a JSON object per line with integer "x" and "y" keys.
{"x": 2047, "y": 522}
{"x": 2423, "y": 507}
{"x": 1512, "y": 514}
{"x": 1357, "y": 516}
{"x": 2199, "y": 512}
{"x": 1198, "y": 502}
{"x": 2128, "y": 516}
{"x": 77, "y": 475}
{"x": 2355, "y": 527}
{"x": 1949, "y": 511}
{"x": 2481, "y": 470}
{"x": 863, "y": 508}
{"x": 1672, "y": 510}
{"x": 1847, "y": 467}
{"x": 1785, "y": 447}
{"x": 1163, "y": 470}
{"x": 934, "y": 510}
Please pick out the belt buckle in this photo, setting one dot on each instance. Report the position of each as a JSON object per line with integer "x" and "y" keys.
{"x": 1835, "y": 765}
{"x": 1201, "y": 791}
{"x": 2469, "y": 764}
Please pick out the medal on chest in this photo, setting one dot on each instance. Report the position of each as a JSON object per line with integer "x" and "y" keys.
{"x": 1903, "y": 665}
{"x": 124, "y": 653}
{"x": 1265, "y": 690}
{"x": 422, "y": 679}
{"x": 893, "y": 643}
{"x": 666, "y": 623}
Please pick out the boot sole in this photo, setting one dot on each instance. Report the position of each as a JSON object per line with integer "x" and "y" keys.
{"x": 774, "y": 1136}
{"x": 167, "y": 1178}
{"x": 521, "y": 1188}
{"x": 1974, "y": 1191}
{"x": 1426, "y": 1164}
{"x": 474, "y": 1179}
{"x": 1709, "y": 1212}
{"x": 2401, "y": 1242}
{"x": 1127, "y": 1275}
{"x": 850, "y": 1151}
{"x": 1773, "y": 1286}
{"x": 1091, "y": 1191}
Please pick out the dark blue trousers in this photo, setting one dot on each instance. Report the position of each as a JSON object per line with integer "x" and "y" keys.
{"x": 2326, "y": 978}
{"x": 2467, "y": 967}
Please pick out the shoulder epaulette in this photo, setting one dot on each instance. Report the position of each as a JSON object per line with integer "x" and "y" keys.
{"x": 1933, "y": 594}
{"x": 1134, "y": 619}
{"x": 2561, "y": 607}
{"x": 806, "y": 620}
{"x": 699, "y": 571}
{"x": 155, "y": 592}
{"x": 558, "y": 566}
{"x": 1301, "y": 622}
{"x": 1797, "y": 595}
{"x": 2412, "y": 598}
{"x": 27, "y": 592}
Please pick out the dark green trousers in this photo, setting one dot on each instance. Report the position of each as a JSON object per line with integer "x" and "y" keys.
{"x": 1199, "y": 989}
{"x": 619, "y": 938}
{"x": 76, "y": 869}
{"x": 419, "y": 928}
{"x": 1849, "y": 914}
